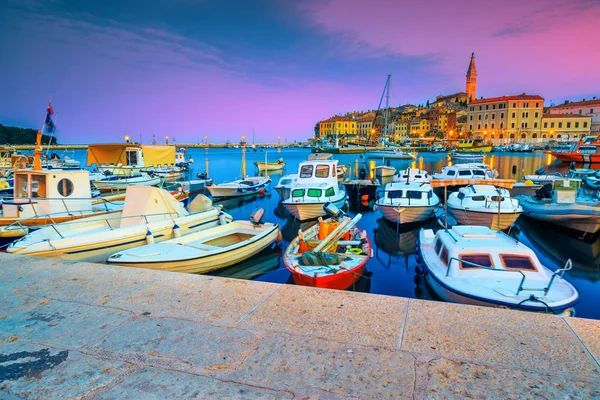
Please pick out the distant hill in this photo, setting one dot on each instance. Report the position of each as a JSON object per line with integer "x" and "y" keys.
{"x": 16, "y": 135}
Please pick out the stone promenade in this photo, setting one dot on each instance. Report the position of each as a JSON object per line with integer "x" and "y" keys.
{"x": 78, "y": 330}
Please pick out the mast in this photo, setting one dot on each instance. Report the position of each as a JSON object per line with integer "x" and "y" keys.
{"x": 387, "y": 102}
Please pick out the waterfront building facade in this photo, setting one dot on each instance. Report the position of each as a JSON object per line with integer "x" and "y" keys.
{"x": 590, "y": 108}
{"x": 340, "y": 126}
{"x": 565, "y": 127}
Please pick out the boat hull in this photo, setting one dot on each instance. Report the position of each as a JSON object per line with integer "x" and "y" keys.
{"x": 340, "y": 281}
{"x": 213, "y": 262}
{"x": 390, "y": 156}
{"x": 269, "y": 166}
{"x": 227, "y": 192}
{"x": 484, "y": 149}
{"x": 306, "y": 211}
{"x": 577, "y": 157}
{"x": 284, "y": 192}
{"x": 489, "y": 219}
{"x": 580, "y": 218}
{"x": 384, "y": 172}
{"x": 408, "y": 214}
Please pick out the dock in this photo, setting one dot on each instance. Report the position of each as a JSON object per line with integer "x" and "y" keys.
{"x": 90, "y": 331}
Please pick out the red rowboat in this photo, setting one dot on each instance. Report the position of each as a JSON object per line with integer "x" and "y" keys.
{"x": 586, "y": 151}
{"x": 337, "y": 268}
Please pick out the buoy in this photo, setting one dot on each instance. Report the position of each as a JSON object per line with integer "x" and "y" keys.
{"x": 176, "y": 231}
{"x": 149, "y": 237}
{"x": 261, "y": 192}
{"x": 364, "y": 197}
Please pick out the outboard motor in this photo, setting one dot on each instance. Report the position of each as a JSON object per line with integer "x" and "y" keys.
{"x": 545, "y": 192}
{"x": 540, "y": 171}
{"x": 256, "y": 216}
{"x": 201, "y": 175}
{"x": 332, "y": 211}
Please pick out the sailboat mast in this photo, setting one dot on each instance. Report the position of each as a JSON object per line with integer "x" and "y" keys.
{"x": 387, "y": 103}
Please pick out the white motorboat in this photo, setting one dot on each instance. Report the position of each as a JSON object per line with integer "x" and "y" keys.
{"x": 541, "y": 177}
{"x": 241, "y": 187}
{"x": 130, "y": 159}
{"x": 412, "y": 175}
{"x": 407, "y": 202}
{"x": 484, "y": 205}
{"x": 270, "y": 166}
{"x": 120, "y": 183}
{"x": 466, "y": 171}
{"x": 317, "y": 184}
{"x": 150, "y": 215}
{"x": 285, "y": 184}
{"x": 478, "y": 266}
{"x": 320, "y": 156}
{"x": 566, "y": 205}
{"x": 390, "y": 153}
{"x": 467, "y": 157}
{"x": 384, "y": 171}
{"x": 203, "y": 251}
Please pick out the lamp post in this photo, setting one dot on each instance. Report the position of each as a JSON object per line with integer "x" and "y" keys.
{"x": 127, "y": 138}
{"x": 206, "y": 139}
{"x": 243, "y": 139}
{"x": 167, "y": 139}
{"x": 278, "y": 137}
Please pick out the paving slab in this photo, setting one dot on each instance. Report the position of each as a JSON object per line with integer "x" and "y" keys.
{"x": 18, "y": 268}
{"x": 338, "y": 315}
{"x": 38, "y": 372}
{"x": 210, "y": 347}
{"x": 158, "y": 384}
{"x": 300, "y": 363}
{"x": 512, "y": 338}
{"x": 197, "y": 296}
{"x": 588, "y": 331}
{"x": 448, "y": 379}
{"x": 64, "y": 324}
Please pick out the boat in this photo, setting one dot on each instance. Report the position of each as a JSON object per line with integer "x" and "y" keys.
{"x": 484, "y": 205}
{"x": 253, "y": 267}
{"x": 129, "y": 159}
{"x": 203, "y": 251}
{"x": 270, "y": 166}
{"x": 437, "y": 148}
{"x": 149, "y": 215}
{"x": 467, "y": 157}
{"x": 384, "y": 171}
{"x": 473, "y": 146}
{"x": 320, "y": 156}
{"x": 565, "y": 204}
{"x": 331, "y": 254}
{"x": 241, "y": 187}
{"x": 285, "y": 184}
{"x": 541, "y": 177}
{"x": 120, "y": 183}
{"x": 475, "y": 265}
{"x": 392, "y": 153}
{"x": 316, "y": 185}
{"x": 341, "y": 171}
{"x": 408, "y": 202}
{"x": 467, "y": 171}
{"x": 412, "y": 175}
{"x": 586, "y": 151}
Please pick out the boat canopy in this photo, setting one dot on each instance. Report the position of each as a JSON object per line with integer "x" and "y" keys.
{"x": 116, "y": 153}
{"x": 145, "y": 204}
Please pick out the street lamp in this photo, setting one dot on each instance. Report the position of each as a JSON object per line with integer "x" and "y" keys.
{"x": 278, "y": 137}
{"x": 127, "y": 138}
{"x": 243, "y": 139}
{"x": 167, "y": 139}
{"x": 206, "y": 139}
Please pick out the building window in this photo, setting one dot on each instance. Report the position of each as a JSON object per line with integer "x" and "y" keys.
{"x": 591, "y": 110}
{"x": 534, "y": 136}
{"x": 537, "y": 105}
{"x": 501, "y": 115}
{"x": 501, "y": 125}
{"x": 576, "y": 124}
{"x": 545, "y": 124}
{"x": 494, "y": 107}
{"x": 486, "y": 116}
{"x": 487, "y": 107}
{"x": 535, "y": 124}
{"x": 478, "y": 126}
{"x": 494, "y": 116}
{"x": 551, "y": 124}
{"x": 580, "y": 111}
{"x": 471, "y": 119}
{"x": 514, "y": 105}
{"x": 470, "y": 127}
{"x": 522, "y": 136}
{"x": 492, "y": 126}
{"x": 485, "y": 126}
{"x": 568, "y": 124}
{"x": 480, "y": 108}
{"x": 560, "y": 124}
{"x": 513, "y": 125}
{"x": 585, "y": 124}
{"x": 480, "y": 117}
{"x": 514, "y": 115}
{"x": 536, "y": 115}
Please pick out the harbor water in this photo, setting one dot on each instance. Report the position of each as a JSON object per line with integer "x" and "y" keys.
{"x": 391, "y": 271}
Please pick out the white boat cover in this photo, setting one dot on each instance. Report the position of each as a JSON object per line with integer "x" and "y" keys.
{"x": 145, "y": 204}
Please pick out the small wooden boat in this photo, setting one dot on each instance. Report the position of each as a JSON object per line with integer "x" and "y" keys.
{"x": 241, "y": 187}
{"x": 203, "y": 251}
{"x": 120, "y": 183}
{"x": 390, "y": 153}
{"x": 467, "y": 157}
{"x": 340, "y": 253}
{"x": 475, "y": 265}
{"x": 270, "y": 166}
{"x": 384, "y": 171}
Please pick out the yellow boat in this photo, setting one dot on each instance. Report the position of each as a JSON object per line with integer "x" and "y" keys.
{"x": 473, "y": 146}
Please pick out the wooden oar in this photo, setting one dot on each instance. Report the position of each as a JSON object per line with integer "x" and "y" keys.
{"x": 337, "y": 233}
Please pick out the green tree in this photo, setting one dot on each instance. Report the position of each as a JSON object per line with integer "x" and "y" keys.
{"x": 15, "y": 135}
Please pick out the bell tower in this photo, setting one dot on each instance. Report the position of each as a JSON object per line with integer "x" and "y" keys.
{"x": 471, "y": 80}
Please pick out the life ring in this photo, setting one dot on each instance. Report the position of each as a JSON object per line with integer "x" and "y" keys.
{"x": 354, "y": 250}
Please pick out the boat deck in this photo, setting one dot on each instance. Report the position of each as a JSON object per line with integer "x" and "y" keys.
{"x": 80, "y": 330}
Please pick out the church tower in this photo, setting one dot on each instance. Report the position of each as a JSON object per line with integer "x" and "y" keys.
{"x": 472, "y": 80}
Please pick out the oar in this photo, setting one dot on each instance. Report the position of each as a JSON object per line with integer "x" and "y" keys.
{"x": 337, "y": 233}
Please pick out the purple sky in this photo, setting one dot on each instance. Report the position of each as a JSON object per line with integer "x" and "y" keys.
{"x": 187, "y": 68}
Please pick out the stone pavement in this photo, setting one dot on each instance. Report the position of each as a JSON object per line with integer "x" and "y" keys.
{"x": 79, "y": 330}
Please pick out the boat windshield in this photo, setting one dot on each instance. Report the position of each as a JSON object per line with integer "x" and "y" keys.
{"x": 322, "y": 171}
{"x": 395, "y": 194}
{"x": 306, "y": 171}
{"x": 480, "y": 259}
{"x": 514, "y": 262}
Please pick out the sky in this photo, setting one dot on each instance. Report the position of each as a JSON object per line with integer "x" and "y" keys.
{"x": 223, "y": 68}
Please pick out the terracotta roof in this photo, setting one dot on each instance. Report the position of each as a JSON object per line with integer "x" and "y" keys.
{"x": 564, "y": 116}
{"x": 366, "y": 119}
{"x": 522, "y": 96}
{"x": 578, "y": 103}
{"x": 337, "y": 118}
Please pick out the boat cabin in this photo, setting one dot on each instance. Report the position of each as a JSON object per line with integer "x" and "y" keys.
{"x": 466, "y": 171}
{"x": 47, "y": 192}
{"x": 316, "y": 182}
{"x": 129, "y": 159}
{"x": 411, "y": 194}
{"x": 483, "y": 193}
{"x": 472, "y": 251}
{"x": 469, "y": 143}
{"x": 412, "y": 175}
{"x": 564, "y": 191}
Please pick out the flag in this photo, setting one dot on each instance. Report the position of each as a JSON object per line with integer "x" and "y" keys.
{"x": 50, "y": 127}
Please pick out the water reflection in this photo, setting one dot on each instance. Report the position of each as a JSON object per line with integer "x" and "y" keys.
{"x": 267, "y": 260}
{"x": 559, "y": 245}
{"x": 290, "y": 229}
{"x": 396, "y": 240}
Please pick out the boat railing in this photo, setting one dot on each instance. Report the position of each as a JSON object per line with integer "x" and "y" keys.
{"x": 520, "y": 288}
{"x": 567, "y": 267}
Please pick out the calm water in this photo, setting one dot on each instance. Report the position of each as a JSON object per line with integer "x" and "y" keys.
{"x": 392, "y": 269}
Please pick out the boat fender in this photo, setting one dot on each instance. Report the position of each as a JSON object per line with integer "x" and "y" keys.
{"x": 149, "y": 237}
{"x": 279, "y": 236}
{"x": 222, "y": 219}
{"x": 418, "y": 258}
{"x": 176, "y": 231}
